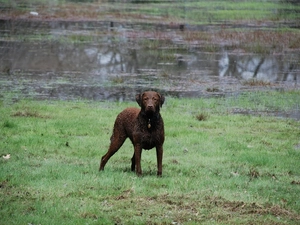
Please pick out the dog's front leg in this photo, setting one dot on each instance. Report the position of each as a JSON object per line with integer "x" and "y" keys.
{"x": 138, "y": 155}
{"x": 159, "y": 156}
{"x": 133, "y": 163}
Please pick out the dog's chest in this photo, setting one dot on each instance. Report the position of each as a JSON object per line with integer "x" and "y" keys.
{"x": 148, "y": 132}
{"x": 149, "y": 139}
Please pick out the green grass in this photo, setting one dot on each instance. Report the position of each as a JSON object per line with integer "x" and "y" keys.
{"x": 191, "y": 12}
{"x": 226, "y": 169}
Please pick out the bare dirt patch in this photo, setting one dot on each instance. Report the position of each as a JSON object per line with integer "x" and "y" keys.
{"x": 210, "y": 208}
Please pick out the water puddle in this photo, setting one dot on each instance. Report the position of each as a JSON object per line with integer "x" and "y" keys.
{"x": 114, "y": 61}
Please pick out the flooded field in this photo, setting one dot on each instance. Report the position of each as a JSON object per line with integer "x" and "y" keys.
{"x": 112, "y": 59}
{"x": 117, "y": 63}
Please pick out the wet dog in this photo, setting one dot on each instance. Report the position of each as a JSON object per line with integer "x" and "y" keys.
{"x": 144, "y": 127}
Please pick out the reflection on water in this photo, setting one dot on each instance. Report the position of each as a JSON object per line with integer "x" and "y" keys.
{"x": 270, "y": 68}
{"x": 115, "y": 68}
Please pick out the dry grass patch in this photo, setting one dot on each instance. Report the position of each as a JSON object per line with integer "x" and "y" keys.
{"x": 27, "y": 113}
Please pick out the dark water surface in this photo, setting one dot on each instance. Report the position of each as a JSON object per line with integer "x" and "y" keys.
{"x": 110, "y": 61}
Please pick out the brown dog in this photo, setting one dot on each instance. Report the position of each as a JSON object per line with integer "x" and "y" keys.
{"x": 144, "y": 127}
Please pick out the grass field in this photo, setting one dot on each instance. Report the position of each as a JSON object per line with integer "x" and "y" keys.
{"x": 176, "y": 11}
{"x": 218, "y": 167}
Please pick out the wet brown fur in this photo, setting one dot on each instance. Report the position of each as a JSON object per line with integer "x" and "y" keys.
{"x": 144, "y": 127}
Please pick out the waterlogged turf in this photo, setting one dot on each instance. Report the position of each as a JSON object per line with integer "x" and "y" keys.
{"x": 218, "y": 167}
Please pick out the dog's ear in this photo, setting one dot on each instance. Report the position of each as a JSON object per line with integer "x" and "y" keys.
{"x": 138, "y": 99}
{"x": 161, "y": 100}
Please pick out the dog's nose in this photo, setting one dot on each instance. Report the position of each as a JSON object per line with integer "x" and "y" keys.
{"x": 150, "y": 107}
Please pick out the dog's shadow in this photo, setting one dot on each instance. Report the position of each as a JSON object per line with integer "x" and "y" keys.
{"x": 146, "y": 172}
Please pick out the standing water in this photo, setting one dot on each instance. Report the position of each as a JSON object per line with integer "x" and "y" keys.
{"x": 114, "y": 58}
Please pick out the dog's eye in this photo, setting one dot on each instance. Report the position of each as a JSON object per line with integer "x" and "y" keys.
{"x": 145, "y": 99}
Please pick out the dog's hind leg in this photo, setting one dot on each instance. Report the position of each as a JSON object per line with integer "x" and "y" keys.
{"x": 117, "y": 141}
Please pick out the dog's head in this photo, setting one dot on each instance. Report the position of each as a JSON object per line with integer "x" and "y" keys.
{"x": 150, "y": 101}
